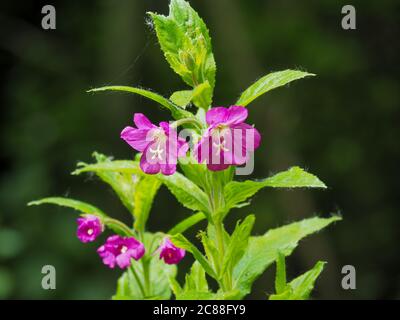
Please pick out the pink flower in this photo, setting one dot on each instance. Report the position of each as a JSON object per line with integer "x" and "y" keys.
{"x": 170, "y": 253}
{"x": 89, "y": 228}
{"x": 120, "y": 250}
{"x": 228, "y": 140}
{"x": 160, "y": 145}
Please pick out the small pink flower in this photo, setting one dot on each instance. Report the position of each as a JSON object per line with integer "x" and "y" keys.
{"x": 160, "y": 146}
{"x": 228, "y": 140}
{"x": 120, "y": 250}
{"x": 89, "y": 228}
{"x": 170, "y": 253}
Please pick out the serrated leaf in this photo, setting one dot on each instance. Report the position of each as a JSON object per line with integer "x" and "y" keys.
{"x": 144, "y": 194}
{"x": 124, "y": 166}
{"x": 182, "y": 98}
{"x": 301, "y": 287}
{"x": 262, "y": 250}
{"x": 202, "y": 95}
{"x": 237, "y": 244}
{"x": 176, "y": 111}
{"x": 86, "y": 208}
{"x": 70, "y": 203}
{"x": 185, "y": 41}
{"x": 185, "y": 224}
{"x": 187, "y": 193}
{"x": 123, "y": 183}
{"x": 196, "y": 279}
{"x": 269, "y": 82}
{"x": 181, "y": 242}
{"x": 237, "y": 192}
{"x": 211, "y": 251}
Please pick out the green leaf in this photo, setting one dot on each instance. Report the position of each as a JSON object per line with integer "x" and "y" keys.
{"x": 237, "y": 244}
{"x": 86, "y": 208}
{"x": 182, "y": 98}
{"x": 236, "y": 192}
{"x": 185, "y": 224}
{"x": 128, "y": 287}
{"x": 202, "y": 95}
{"x": 181, "y": 242}
{"x": 185, "y": 41}
{"x": 123, "y": 183}
{"x": 269, "y": 82}
{"x": 262, "y": 250}
{"x": 211, "y": 251}
{"x": 280, "y": 279}
{"x": 144, "y": 194}
{"x": 195, "y": 172}
{"x": 196, "y": 279}
{"x": 301, "y": 287}
{"x": 70, "y": 203}
{"x": 122, "y": 166}
{"x": 175, "y": 110}
{"x": 187, "y": 193}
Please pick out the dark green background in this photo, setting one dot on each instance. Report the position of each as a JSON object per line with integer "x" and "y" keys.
{"x": 341, "y": 126}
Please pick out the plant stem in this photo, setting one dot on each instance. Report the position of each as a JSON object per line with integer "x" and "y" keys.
{"x": 138, "y": 281}
{"x": 119, "y": 225}
{"x": 192, "y": 120}
{"x": 145, "y": 266}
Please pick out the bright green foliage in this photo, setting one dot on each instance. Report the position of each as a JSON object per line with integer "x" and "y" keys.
{"x": 280, "y": 279}
{"x": 269, "y": 82}
{"x": 181, "y": 242}
{"x": 185, "y": 41}
{"x": 176, "y": 111}
{"x": 146, "y": 189}
{"x": 122, "y": 183}
{"x": 262, "y": 250}
{"x": 201, "y": 96}
{"x": 237, "y": 192}
{"x": 71, "y": 203}
{"x": 238, "y": 243}
{"x": 85, "y": 208}
{"x": 187, "y": 193}
{"x": 233, "y": 260}
{"x": 300, "y": 287}
{"x": 182, "y": 98}
{"x": 187, "y": 223}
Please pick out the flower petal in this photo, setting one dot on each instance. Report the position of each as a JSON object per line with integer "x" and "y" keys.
{"x": 167, "y": 168}
{"x": 147, "y": 164}
{"x": 216, "y": 115}
{"x": 124, "y": 260}
{"x": 236, "y": 115}
{"x": 138, "y": 139}
{"x": 248, "y": 132}
{"x": 142, "y": 122}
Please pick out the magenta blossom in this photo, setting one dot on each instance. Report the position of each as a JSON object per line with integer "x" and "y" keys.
{"x": 120, "y": 250}
{"x": 170, "y": 253}
{"x": 89, "y": 228}
{"x": 160, "y": 146}
{"x": 228, "y": 140}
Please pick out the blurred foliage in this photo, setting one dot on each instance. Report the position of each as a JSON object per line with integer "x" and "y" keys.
{"x": 342, "y": 125}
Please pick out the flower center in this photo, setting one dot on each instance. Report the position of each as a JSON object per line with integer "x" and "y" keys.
{"x": 90, "y": 232}
{"x": 218, "y": 134}
{"x": 156, "y": 152}
{"x": 124, "y": 249}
